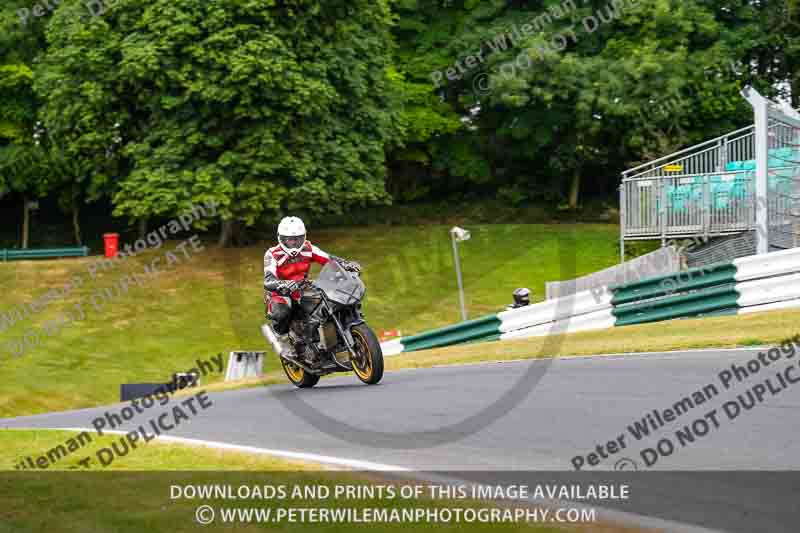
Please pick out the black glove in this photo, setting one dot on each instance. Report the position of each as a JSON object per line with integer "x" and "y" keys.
{"x": 287, "y": 287}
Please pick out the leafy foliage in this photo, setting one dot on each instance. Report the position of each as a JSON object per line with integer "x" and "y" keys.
{"x": 261, "y": 106}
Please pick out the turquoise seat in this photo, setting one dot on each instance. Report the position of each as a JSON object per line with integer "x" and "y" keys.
{"x": 697, "y": 189}
{"x": 722, "y": 196}
{"x": 779, "y": 180}
{"x": 678, "y": 197}
{"x": 739, "y": 188}
{"x": 781, "y": 157}
{"x": 720, "y": 192}
{"x": 673, "y": 198}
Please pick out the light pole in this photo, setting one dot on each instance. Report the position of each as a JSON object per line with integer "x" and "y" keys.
{"x": 457, "y": 235}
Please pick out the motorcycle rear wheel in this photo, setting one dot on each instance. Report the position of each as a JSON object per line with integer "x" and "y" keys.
{"x": 299, "y": 377}
{"x": 369, "y": 364}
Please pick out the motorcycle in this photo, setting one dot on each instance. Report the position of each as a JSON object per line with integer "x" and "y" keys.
{"x": 329, "y": 332}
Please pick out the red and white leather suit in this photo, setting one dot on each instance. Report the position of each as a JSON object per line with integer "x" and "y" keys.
{"x": 279, "y": 266}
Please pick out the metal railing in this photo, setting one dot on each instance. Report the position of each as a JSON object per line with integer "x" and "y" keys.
{"x": 709, "y": 189}
{"x": 688, "y": 205}
{"x": 706, "y": 157}
{"x": 783, "y": 173}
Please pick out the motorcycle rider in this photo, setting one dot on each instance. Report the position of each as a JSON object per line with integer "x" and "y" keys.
{"x": 285, "y": 265}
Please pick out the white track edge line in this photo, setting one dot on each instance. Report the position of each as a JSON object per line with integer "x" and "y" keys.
{"x": 286, "y": 454}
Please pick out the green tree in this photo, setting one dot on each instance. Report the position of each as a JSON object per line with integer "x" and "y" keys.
{"x": 261, "y": 106}
{"x": 20, "y": 45}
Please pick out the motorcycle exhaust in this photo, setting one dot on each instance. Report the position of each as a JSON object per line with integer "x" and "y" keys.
{"x": 272, "y": 338}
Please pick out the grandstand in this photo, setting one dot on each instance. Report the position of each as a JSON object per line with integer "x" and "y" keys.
{"x": 711, "y": 190}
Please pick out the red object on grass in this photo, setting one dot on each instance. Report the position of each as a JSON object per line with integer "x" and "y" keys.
{"x": 387, "y": 334}
{"x": 111, "y": 241}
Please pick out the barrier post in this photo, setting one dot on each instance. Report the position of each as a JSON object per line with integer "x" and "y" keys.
{"x": 761, "y": 120}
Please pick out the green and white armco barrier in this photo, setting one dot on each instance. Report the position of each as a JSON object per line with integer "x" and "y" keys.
{"x": 578, "y": 312}
{"x": 745, "y": 285}
{"x": 484, "y": 328}
{"x": 588, "y": 309}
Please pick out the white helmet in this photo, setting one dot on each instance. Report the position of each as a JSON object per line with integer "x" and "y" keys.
{"x": 291, "y": 235}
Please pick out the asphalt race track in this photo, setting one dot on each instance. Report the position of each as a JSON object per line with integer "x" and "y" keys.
{"x": 539, "y": 416}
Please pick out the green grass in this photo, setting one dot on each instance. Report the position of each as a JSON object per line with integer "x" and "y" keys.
{"x": 138, "y": 495}
{"x": 16, "y": 445}
{"x": 212, "y": 302}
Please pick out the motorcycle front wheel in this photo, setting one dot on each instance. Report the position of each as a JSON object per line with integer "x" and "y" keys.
{"x": 299, "y": 377}
{"x": 368, "y": 363}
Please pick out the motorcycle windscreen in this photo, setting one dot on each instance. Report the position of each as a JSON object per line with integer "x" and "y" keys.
{"x": 340, "y": 286}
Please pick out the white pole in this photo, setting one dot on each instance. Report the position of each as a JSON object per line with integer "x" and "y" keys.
{"x": 761, "y": 119}
{"x": 458, "y": 276}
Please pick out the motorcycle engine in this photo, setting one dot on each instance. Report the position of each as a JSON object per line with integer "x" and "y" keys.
{"x": 342, "y": 357}
{"x": 327, "y": 336}
{"x": 328, "y": 340}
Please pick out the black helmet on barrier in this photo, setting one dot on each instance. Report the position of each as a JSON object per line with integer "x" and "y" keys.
{"x": 522, "y": 297}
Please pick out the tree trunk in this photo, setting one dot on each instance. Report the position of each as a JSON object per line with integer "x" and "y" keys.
{"x": 76, "y": 224}
{"x": 574, "y": 190}
{"x": 26, "y": 219}
{"x": 226, "y": 233}
{"x": 142, "y": 228}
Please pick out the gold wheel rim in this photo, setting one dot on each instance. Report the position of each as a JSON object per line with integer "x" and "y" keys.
{"x": 295, "y": 372}
{"x": 364, "y": 371}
